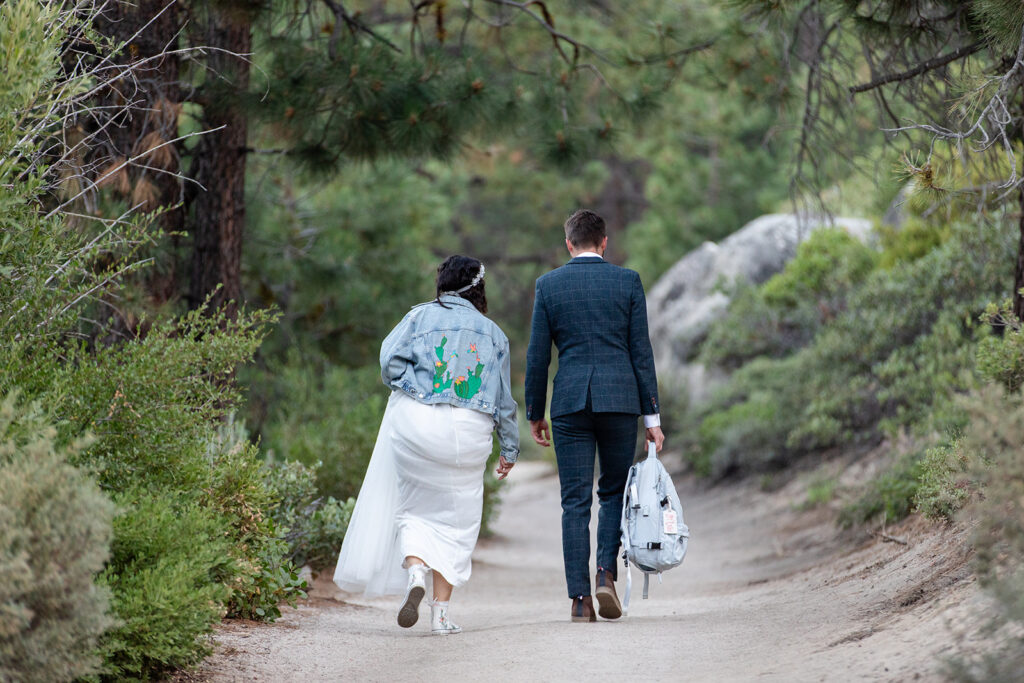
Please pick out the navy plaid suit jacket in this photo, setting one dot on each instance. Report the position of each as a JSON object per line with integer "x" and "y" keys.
{"x": 596, "y": 315}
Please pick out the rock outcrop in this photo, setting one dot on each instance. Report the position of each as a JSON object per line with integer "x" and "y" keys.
{"x": 695, "y": 292}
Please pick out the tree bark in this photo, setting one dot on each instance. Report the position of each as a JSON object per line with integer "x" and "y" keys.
{"x": 218, "y": 210}
{"x": 151, "y": 102}
{"x": 1018, "y": 276}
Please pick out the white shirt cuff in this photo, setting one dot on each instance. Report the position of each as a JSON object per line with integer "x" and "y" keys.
{"x": 652, "y": 420}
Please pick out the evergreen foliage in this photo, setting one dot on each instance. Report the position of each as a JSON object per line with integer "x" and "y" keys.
{"x": 785, "y": 313}
{"x": 893, "y": 358}
{"x": 135, "y": 409}
{"x": 997, "y": 432}
{"x": 315, "y": 524}
{"x": 54, "y": 537}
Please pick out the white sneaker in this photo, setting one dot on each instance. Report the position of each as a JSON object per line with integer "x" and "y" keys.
{"x": 410, "y": 611}
{"x": 440, "y": 624}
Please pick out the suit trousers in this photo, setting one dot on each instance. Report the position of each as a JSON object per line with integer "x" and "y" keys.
{"x": 576, "y": 436}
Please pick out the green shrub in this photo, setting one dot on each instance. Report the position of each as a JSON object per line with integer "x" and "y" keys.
{"x": 169, "y": 573}
{"x": 736, "y": 436}
{"x": 894, "y": 358}
{"x": 314, "y": 525}
{"x": 889, "y": 496}
{"x": 54, "y": 537}
{"x": 240, "y": 493}
{"x": 784, "y": 313}
{"x": 747, "y": 424}
{"x": 916, "y": 238}
{"x": 948, "y": 480}
{"x": 325, "y": 414}
{"x": 820, "y": 491}
{"x": 326, "y": 531}
{"x": 1000, "y": 355}
{"x": 268, "y": 578}
{"x": 997, "y": 432}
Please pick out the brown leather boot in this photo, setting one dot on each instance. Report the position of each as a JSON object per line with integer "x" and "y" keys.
{"x": 583, "y": 609}
{"x": 608, "y": 603}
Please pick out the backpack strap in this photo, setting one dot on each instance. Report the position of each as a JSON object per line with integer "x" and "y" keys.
{"x": 629, "y": 589}
{"x": 624, "y": 523}
{"x": 647, "y": 583}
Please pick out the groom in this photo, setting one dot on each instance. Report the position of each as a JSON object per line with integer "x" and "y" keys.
{"x": 596, "y": 314}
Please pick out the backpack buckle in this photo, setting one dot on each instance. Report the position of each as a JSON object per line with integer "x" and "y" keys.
{"x": 654, "y": 545}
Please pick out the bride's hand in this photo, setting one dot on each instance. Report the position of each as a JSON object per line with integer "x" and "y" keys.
{"x": 504, "y": 467}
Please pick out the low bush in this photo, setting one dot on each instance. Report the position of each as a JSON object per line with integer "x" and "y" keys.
{"x": 784, "y": 313}
{"x": 1000, "y": 355}
{"x": 821, "y": 491}
{"x": 169, "y": 574}
{"x": 997, "y": 432}
{"x": 54, "y": 538}
{"x": 239, "y": 491}
{"x": 314, "y": 525}
{"x": 894, "y": 358}
{"x": 909, "y": 242}
{"x": 948, "y": 480}
{"x": 888, "y": 497}
{"x": 326, "y": 414}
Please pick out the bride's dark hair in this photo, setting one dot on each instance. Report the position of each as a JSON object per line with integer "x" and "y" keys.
{"x": 455, "y": 273}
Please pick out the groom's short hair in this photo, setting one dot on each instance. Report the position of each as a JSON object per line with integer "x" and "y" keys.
{"x": 584, "y": 229}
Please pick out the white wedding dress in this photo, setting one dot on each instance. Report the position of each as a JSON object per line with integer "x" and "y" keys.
{"x": 422, "y": 495}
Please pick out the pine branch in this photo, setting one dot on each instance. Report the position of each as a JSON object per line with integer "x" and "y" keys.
{"x": 341, "y": 15}
{"x": 923, "y": 67}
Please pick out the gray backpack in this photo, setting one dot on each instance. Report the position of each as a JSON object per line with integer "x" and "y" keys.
{"x": 654, "y": 536}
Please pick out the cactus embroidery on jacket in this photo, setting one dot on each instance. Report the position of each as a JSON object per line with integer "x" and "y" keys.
{"x": 466, "y": 386}
{"x": 442, "y": 378}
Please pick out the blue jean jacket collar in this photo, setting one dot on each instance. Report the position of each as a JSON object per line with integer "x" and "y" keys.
{"x": 456, "y": 300}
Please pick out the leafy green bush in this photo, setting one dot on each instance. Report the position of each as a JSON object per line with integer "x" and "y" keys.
{"x": 822, "y": 490}
{"x": 894, "y": 357}
{"x": 747, "y": 424}
{"x": 784, "y": 313}
{"x": 997, "y": 432}
{"x": 948, "y": 480}
{"x": 889, "y": 496}
{"x": 239, "y": 491}
{"x": 54, "y": 537}
{"x": 325, "y": 414}
{"x": 914, "y": 239}
{"x": 1000, "y": 355}
{"x": 169, "y": 574}
{"x": 314, "y": 525}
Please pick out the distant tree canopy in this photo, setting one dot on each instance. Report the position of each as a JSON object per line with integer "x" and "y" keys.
{"x": 327, "y": 83}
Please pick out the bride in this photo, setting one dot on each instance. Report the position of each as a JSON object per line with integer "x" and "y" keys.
{"x": 421, "y": 500}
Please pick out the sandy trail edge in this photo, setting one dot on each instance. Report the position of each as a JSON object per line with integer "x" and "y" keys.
{"x": 766, "y": 593}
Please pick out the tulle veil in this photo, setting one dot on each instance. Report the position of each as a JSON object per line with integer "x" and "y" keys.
{"x": 370, "y": 560}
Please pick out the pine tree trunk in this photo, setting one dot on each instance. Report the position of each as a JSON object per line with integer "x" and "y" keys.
{"x": 218, "y": 211}
{"x": 1018, "y": 276}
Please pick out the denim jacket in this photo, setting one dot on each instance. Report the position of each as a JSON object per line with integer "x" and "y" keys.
{"x": 454, "y": 355}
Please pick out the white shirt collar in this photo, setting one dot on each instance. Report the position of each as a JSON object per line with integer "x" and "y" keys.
{"x": 588, "y": 253}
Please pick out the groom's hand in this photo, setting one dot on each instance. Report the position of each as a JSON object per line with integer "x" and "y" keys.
{"x": 654, "y": 434}
{"x": 540, "y": 432}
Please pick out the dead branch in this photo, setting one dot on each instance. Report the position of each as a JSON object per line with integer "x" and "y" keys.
{"x": 923, "y": 67}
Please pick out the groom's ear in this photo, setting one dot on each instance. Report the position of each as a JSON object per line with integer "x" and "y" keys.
{"x": 568, "y": 245}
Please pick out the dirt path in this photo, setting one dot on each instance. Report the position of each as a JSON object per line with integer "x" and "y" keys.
{"x": 766, "y": 593}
